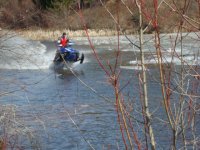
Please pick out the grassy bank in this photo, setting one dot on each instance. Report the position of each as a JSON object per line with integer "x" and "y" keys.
{"x": 54, "y": 34}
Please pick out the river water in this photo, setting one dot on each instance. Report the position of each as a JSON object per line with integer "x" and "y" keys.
{"x": 46, "y": 108}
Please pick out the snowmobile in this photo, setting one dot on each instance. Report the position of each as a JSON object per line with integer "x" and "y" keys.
{"x": 67, "y": 55}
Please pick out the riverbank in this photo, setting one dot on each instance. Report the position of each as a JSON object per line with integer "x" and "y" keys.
{"x": 54, "y": 34}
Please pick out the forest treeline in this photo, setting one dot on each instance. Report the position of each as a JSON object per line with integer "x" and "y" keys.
{"x": 62, "y": 14}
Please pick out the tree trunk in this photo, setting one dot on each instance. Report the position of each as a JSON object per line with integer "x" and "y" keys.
{"x": 144, "y": 80}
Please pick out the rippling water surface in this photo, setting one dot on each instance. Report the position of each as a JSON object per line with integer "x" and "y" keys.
{"x": 54, "y": 110}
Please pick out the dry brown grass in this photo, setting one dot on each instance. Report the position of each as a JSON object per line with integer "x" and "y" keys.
{"x": 54, "y": 34}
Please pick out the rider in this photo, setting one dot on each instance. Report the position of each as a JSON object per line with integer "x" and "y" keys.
{"x": 64, "y": 40}
{"x": 62, "y": 44}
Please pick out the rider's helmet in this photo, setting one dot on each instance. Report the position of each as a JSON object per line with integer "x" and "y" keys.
{"x": 64, "y": 33}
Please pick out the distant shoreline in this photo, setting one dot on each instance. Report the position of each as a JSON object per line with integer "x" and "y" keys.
{"x": 54, "y": 34}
